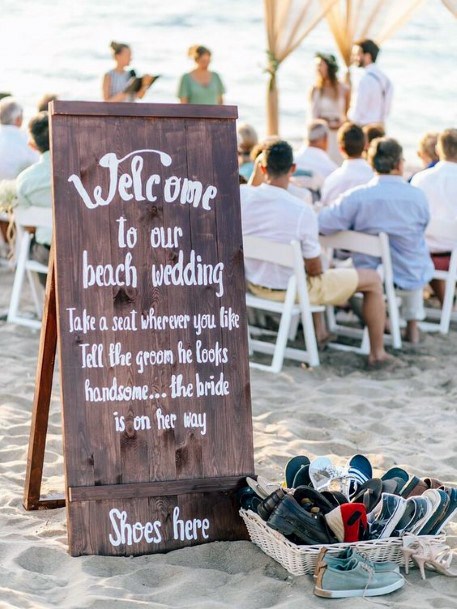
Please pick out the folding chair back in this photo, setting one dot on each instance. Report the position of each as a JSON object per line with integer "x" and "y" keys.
{"x": 296, "y": 303}
{"x": 370, "y": 245}
{"x": 27, "y": 220}
{"x": 443, "y": 317}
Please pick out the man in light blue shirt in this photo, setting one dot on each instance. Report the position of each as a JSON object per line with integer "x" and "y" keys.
{"x": 391, "y": 205}
{"x": 33, "y": 186}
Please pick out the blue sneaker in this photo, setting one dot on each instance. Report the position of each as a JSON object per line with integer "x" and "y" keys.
{"x": 325, "y": 559}
{"x": 386, "y": 515}
{"x": 355, "y": 578}
{"x": 449, "y": 512}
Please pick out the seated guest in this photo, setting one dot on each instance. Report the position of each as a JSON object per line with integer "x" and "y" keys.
{"x": 391, "y": 205}
{"x": 439, "y": 183}
{"x": 44, "y": 102}
{"x": 34, "y": 186}
{"x": 372, "y": 131}
{"x": 258, "y": 177}
{"x": 247, "y": 139}
{"x": 354, "y": 170}
{"x": 427, "y": 150}
{"x": 270, "y": 211}
{"x": 313, "y": 157}
{"x": 15, "y": 154}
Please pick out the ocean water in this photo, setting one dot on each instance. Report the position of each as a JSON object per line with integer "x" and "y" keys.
{"x": 63, "y": 47}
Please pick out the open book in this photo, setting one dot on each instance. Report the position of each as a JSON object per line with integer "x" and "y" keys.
{"x": 136, "y": 82}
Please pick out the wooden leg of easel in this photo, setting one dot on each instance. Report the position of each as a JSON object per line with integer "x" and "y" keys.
{"x": 41, "y": 402}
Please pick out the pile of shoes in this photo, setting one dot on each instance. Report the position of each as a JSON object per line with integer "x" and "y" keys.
{"x": 323, "y": 503}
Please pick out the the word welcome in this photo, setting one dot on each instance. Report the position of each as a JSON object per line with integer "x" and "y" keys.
{"x": 133, "y": 186}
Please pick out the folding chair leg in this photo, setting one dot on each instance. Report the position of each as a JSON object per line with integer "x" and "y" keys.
{"x": 294, "y": 327}
{"x": 310, "y": 339}
{"x": 283, "y": 332}
{"x": 35, "y": 287}
{"x": 19, "y": 277}
{"x": 446, "y": 311}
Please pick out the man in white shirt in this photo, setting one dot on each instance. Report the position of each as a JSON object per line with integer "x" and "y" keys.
{"x": 439, "y": 183}
{"x": 15, "y": 154}
{"x": 354, "y": 171}
{"x": 313, "y": 158}
{"x": 373, "y": 98}
{"x": 270, "y": 211}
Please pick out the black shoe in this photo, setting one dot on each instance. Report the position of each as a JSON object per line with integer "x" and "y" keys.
{"x": 266, "y": 507}
{"x": 290, "y": 519}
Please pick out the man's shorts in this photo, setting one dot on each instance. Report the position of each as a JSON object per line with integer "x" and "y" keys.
{"x": 333, "y": 287}
{"x": 412, "y": 304}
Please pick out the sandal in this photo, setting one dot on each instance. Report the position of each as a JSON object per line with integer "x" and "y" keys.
{"x": 434, "y": 556}
{"x": 262, "y": 487}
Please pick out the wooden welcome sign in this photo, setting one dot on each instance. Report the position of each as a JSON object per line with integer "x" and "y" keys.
{"x": 151, "y": 326}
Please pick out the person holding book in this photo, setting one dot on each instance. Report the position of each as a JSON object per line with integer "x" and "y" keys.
{"x": 121, "y": 84}
{"x": 201, "y": 86}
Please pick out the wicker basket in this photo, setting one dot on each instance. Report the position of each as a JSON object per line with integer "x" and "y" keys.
{"x": 301, "y": 560}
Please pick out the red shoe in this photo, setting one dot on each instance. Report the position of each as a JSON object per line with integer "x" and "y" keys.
{"x": 349, "y": 522}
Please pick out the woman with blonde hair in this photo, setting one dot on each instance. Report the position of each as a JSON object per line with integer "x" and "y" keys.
{"x": 329, "y": 100}
{"x": 200, "y": 85}
{"x": 116, "y": 80}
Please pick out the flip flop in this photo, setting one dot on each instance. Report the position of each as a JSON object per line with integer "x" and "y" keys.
{"x": 323, "y": 472}
{"x": 292, "y": 467}
{"x": 359, "y": 471}
{"x": 302, "y": 477}
{"x": 262, "y": 487}
{"x": 397, "y": 472}
{"x": 369, "y": 493}
{"x": 335, "y": 498}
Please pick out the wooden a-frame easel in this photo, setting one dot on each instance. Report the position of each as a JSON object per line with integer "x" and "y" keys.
{"x": 41, "y": 402}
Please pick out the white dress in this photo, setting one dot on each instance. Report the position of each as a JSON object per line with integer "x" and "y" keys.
{"x": 331, "y": 109}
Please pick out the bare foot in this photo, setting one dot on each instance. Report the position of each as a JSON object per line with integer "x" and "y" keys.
{"x": 412, "y": 334}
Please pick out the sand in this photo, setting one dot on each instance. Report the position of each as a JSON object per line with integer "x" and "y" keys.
{"x": 406, "y": 418}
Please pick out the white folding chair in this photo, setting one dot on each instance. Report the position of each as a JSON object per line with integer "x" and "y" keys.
{"x": 28, "y": 219}
{"x": 296, "y": 303}
{"x": 447, "y": 230}
{"x": 371, "y": 245}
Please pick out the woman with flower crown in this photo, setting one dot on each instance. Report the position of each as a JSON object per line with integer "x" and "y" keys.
{"x": 329, "y": 100}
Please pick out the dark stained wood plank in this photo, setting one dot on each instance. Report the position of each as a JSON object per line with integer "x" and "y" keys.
{"x": 83, "y": 108}
{"x": 42, "y": 397}
{"x": 154, "y": 489}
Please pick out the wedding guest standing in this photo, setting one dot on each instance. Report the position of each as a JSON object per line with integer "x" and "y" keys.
{"x": 329, "y": 100}
{"x": 373, "y": 97}
{"x": 117, "y": 79}
{"x": 200, "y": 85}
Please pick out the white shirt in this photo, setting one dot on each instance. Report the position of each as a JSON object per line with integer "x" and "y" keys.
{"x": 318, "y": 162}
{"x": 15, "y": 154}
{"x": 373, "y": 97}
{"x": 353, "y": 172}
{"x": 33, "y": 187}
{"x": 439, "y": 183}
{"x": 273, "y": 213}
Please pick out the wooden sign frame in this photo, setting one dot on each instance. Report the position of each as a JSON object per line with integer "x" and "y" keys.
{"x": 171, "y": 503}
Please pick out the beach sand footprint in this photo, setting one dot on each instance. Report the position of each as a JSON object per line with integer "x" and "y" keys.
{"x": 45, "y": 560}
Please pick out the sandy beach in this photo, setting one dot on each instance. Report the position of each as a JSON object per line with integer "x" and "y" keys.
{"x": 406, "y": 418}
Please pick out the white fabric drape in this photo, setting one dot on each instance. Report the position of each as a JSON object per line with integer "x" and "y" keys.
{"x": 451, "y": 5}
{"x": 351, "y": 20}
{"x": 287, "y": 22}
